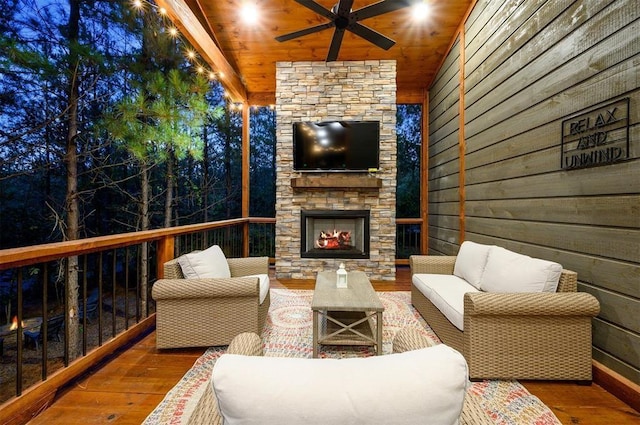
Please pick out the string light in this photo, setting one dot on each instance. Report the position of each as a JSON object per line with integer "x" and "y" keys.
{"x": 190, "y": 54}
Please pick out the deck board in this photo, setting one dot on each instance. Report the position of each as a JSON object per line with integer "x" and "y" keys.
{"x": 127, "y": 389}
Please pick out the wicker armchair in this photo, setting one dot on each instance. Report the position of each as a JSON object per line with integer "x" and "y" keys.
{"x": 209, "y": 312}
{"x": 544, "y": 336}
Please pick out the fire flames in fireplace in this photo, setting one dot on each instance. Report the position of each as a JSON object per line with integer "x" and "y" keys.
{"x": 333, "y": 240}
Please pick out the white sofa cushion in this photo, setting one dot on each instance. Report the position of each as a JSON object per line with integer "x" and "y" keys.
{"x": 508, "y": 271}
{"x": 470, "y": 262}
{"x": 264, "y": 285}
{"x": 405, "y": 388}
{"x": 210, "y": 263}
{"x": 446, "y": 292}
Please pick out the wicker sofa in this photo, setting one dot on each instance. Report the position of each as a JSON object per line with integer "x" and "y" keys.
{"x": 539, "y": 336}
{"x": 407, "y": 339}
{"x": 209, "y": 312}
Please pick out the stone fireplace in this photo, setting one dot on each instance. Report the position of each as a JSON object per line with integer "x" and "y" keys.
{"x": 319, "y": 91}
{"x": 334, "y": 234}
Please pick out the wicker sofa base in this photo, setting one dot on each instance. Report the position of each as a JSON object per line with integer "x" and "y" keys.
{"x": 516, "y": 346}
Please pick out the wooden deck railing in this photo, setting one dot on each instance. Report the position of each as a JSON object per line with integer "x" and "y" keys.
{"x": 114, "y": 275}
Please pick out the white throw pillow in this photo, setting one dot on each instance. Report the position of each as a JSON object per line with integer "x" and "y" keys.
{"x": 471, "y": 261}
{"x": 406, "y": 388}
{"x": 210, "y": 263}
{"x": 507, "y": 271}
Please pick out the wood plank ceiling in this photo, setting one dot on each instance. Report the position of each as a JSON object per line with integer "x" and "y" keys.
{"x": 252, "y": 50}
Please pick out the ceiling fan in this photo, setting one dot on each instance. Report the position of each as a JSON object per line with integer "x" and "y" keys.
{"x": 344, "y": 19}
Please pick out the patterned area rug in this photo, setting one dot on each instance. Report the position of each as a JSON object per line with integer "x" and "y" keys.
{"x": 288, "y": 333}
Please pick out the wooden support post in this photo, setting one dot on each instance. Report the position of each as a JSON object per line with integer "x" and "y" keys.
{"x": 424, "y": 175}
{"x": 166, "y": 247}
{"x": 246, "y": 153}
{"x": 461, "y": 137}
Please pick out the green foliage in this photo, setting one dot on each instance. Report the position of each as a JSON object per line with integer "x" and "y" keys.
{"x": 166, "y": 112}
{"x": 408, "y": 131}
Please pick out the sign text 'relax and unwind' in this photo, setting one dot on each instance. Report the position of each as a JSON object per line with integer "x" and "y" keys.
{"x": 596, "y": 137}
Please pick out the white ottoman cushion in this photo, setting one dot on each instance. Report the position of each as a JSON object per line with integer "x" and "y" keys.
{"x": 415, "y": 387}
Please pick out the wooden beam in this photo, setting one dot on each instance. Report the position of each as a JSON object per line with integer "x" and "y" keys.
{"x": 407, "y": 97}
{"x": 262, "y": 99}
{"x": 189, "y": 25}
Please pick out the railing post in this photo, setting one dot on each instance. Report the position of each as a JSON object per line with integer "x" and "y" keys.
{"x": 245, "y": 239}
{"x": 166, "y": 247}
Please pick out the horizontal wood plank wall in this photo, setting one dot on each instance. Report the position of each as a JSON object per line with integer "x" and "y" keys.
{"x": 528, "y": 67}
{"x": 444, "y": 162}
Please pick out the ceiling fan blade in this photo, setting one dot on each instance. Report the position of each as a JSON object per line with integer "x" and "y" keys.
{"x": 344, "y": 7}
{"x": 306, "y": 31}
{"x": 336, "y": 41}
{"x": 319, "y": 9}
{"x": 372, "y": 36}
{"x": 381, "y": 7}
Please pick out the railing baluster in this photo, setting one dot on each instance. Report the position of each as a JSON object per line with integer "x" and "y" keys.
{"x": 65, "y": 265}
{"x": 113, "y": 293}
{"x": 19, "y": 336}
{"x": 100, "y": 299}
{"x": 45, "y": 317}
{"x": 138, "y": 275}
{"x": 84, "y": 305}
{"x": 126, "y": 288}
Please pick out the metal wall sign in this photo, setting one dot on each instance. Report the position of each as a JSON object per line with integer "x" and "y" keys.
{"x": 596, "y": 137}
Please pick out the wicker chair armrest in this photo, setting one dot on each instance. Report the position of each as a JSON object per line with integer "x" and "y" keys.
{"x": 434, "y": 264}
{"x": 248, "y": 266}
{"x": 172, "y": 270}
{"x": 409, "y": 338}
{"x": 206, "y": 288}
{"x": 247, "y": 344}
{"x": 531, "y": 304}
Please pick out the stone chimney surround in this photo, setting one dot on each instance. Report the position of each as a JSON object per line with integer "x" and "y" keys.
{"x": 319, "y": 91}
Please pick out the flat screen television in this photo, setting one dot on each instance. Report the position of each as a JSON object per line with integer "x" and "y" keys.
{"x": 336, "y": 145}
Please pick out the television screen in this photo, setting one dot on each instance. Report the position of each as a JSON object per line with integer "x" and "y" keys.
{"x": 336, "y": 145}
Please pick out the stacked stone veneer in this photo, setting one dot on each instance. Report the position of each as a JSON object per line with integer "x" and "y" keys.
{"x": 319, "y": 91}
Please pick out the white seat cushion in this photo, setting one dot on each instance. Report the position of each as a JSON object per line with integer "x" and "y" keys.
{"x": 264, "y": 285}
{"x": 508, "y": 271}
{"x": 415, "y": 387}
{"x": 446, "y": 292}
{"x": 470, "y": 262}
{"x": 210, "y": 263}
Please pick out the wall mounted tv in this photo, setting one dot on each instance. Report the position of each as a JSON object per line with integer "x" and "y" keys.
{"x": 336, "y": 145}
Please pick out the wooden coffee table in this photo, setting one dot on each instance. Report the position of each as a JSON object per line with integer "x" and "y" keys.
{"x": 344, "y": 316}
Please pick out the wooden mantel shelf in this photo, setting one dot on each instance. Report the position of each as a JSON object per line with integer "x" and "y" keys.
{"x": 336, "y": 182}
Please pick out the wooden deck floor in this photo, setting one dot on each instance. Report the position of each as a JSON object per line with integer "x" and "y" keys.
{"x": 127, "y": 389}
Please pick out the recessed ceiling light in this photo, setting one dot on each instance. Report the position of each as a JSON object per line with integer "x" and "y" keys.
{"x": 249, "y": 12}
{"x": 421, "y": 10}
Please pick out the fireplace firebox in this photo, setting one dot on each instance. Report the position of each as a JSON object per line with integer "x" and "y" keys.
{"x": 334, "y": 234}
